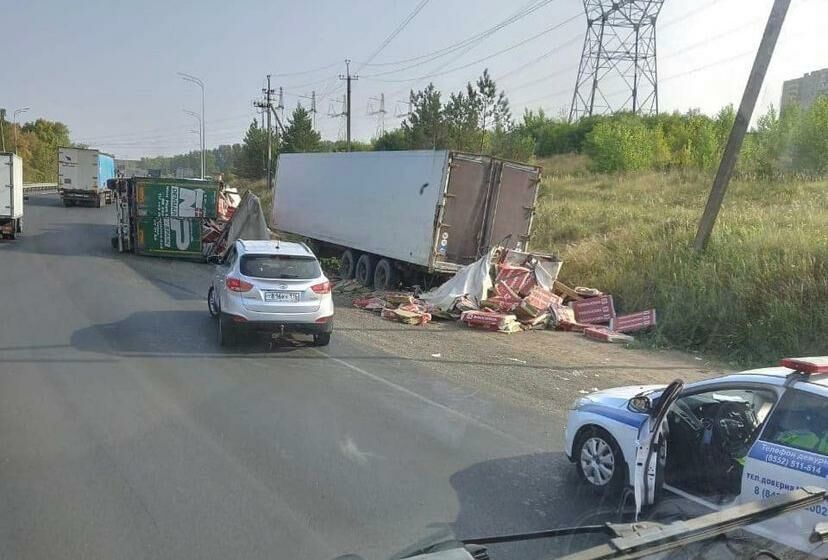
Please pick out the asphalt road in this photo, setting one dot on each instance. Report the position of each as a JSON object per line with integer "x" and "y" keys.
{"x": 127, "y": 432}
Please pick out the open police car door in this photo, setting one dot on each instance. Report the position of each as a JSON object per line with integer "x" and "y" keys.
{"x": 648, "y": 443}
{"x": 790, "y": 453}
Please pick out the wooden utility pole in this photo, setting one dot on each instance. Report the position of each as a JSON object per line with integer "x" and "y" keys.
{"x": 348, "y": 79}
{"x": 740, "y": 125}
{"x": 267, "y": 105}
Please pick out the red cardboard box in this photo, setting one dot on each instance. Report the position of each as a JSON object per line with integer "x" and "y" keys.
{"x": 520, "y": 279}
{"x": 604, "y": 334}
{"x": 541, "y": 299}
{"x": 634, "y": 322}
{"x": 594, "y": 310}
{"x": 487, "y": 320}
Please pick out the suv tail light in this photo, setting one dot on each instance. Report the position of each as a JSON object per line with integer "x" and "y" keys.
{"x": 323, "y": 288}
{"x": 237, "y": 285}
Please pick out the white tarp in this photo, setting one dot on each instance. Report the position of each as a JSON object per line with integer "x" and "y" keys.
{"x": 473, "y": 281}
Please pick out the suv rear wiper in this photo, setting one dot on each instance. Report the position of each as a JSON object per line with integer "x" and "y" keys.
{"x": 637, "y": 540}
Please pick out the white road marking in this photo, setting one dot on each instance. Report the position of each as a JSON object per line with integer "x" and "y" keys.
{"x": 430, "y": 402}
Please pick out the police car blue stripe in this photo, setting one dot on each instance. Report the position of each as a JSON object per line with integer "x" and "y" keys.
{"x": 619, "y": 414}
{"x": 790, "y": 458}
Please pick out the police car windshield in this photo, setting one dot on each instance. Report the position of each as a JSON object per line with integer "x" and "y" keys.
{"x": 282, "y": 267}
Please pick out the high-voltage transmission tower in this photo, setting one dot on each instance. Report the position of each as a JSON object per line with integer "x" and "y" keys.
{"x": 619, "y": 52}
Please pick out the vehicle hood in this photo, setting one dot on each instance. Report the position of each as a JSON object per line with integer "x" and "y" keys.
{"x": 618, "y": 397}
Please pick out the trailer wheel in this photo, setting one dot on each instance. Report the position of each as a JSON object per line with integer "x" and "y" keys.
{"x": 386, "y": 276}
{"x": 347, "y": 264}
{"x": 364, "y": 273}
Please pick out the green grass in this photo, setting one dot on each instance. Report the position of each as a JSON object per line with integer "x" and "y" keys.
{"x": 759, "y": 292}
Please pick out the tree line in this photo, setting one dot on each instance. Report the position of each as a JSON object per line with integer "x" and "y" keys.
{"x": 36, "y": 143}
{"x": 478, "y": 119}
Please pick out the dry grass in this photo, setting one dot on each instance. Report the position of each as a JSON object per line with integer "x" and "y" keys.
{"x": 759, "y": 292}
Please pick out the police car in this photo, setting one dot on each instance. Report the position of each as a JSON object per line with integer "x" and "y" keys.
{"x": 718, "y": 442}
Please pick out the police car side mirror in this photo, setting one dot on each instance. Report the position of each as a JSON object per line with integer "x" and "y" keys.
{"x": 640, "y": 404}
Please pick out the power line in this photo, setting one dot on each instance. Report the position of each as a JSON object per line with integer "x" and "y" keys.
{"x": 434, "y": 55}
{"x": 394, "y": 33}
{"x": 306, "y": 72}
{"x": 485, "y": 58}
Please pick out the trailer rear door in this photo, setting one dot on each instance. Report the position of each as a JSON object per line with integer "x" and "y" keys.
{"x": 458, "y": 237}
{"x": 77, "y": 169}
{"x": 513, "y": 205}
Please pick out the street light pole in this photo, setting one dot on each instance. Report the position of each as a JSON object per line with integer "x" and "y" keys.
{"x": 200, "y": 133}
{"x": 199, "y": 83}
{"x": 14, "y": 124}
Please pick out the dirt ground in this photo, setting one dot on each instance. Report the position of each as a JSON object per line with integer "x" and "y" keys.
{"x": 543, "y": 369}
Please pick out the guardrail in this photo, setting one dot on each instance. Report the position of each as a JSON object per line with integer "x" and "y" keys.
{"x": 28, "y": 187}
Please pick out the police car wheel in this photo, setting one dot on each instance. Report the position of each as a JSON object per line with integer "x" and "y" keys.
{"x": 599, "y": 461}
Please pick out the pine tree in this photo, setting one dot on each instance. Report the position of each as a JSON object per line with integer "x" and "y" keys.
{"x": 300, "y": 135}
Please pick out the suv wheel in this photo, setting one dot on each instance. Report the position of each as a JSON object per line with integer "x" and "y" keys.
{"x": 226, "y": 332}
{"x": 322, "y": 339}
{"x": 599, "y": 461}
{"x": 212, "y": 304}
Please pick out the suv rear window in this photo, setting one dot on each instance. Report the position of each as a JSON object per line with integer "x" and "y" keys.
{"x": 285, "y": 267}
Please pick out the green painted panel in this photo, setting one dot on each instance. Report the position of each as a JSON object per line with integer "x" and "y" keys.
{"x": 176, "y": 198}
{"x": 173, "y": 237}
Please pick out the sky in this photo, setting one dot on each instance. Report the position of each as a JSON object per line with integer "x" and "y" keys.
{"x": 108, "y": 68}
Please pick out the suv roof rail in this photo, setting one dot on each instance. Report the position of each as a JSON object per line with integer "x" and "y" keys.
{"x": 305, "y": 247}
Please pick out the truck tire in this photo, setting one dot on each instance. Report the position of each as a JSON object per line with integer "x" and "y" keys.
{"x": 347, "y": 264}
{"x": 386, "y": 277}
{"x": 98, "y": 201}
{"x": 364, "y": 273}
{"x": 19, "y": 225}
{"x": 68, "y": 203}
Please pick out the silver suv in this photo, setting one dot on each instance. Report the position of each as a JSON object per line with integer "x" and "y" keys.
{"x": 271, "y": 286}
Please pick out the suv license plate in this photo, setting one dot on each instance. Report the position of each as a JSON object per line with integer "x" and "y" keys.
{"x": 285, "y": 297}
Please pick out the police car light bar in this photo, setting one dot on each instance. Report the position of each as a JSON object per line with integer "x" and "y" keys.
{"x": 818, "y": 365}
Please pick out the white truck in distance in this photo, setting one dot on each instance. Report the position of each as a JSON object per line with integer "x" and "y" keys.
{"x": 82, "y": 176}
{"x": 390, "y": 215}
{"x": 11, "y": 195}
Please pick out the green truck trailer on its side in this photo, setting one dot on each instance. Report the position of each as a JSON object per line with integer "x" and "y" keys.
{"x": 163, "y": 217}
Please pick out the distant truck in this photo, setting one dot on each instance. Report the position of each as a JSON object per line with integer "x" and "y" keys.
{"x": 391, "y": 215}
{"x": 82, "y": 176}
{"x": 11, "y": 195}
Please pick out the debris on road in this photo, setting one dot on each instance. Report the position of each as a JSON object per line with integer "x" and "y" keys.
{"x": 508, "y": 291}
{"x": 634, "y": 322}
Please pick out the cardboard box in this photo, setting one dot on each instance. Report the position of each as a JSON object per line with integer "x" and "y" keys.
{"x": 500, "y": 305}
{"x": 520, "y": 279}
{"x": 604, "y": 334}
{"x": 541, "y": 299}
{"x": 634, "y": 322}
{"x": 490, "y": 321}
{"x": 594, "y": 310}
{"x": 566, "y": 291}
